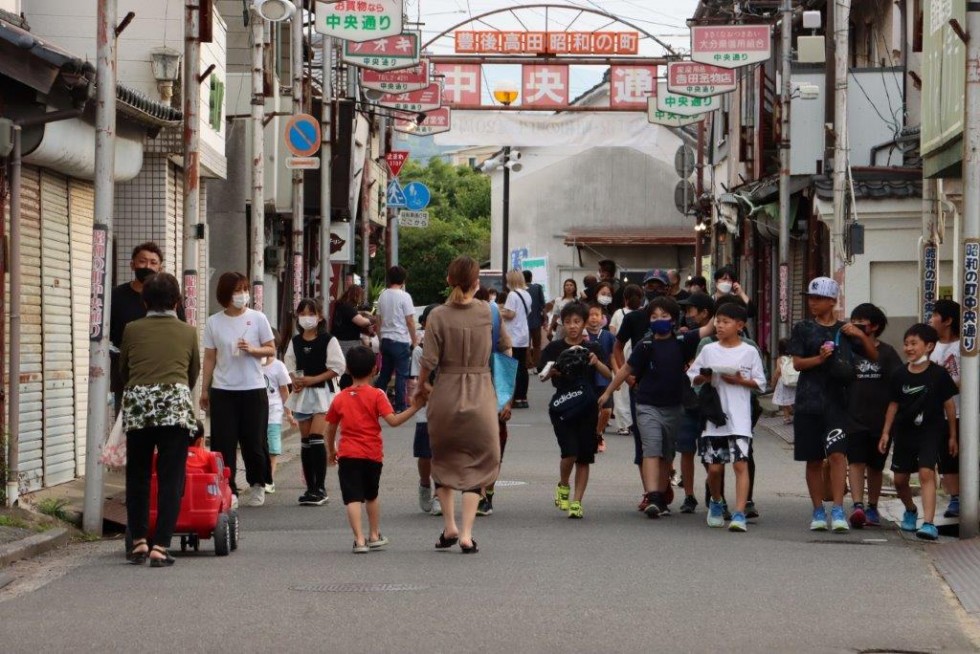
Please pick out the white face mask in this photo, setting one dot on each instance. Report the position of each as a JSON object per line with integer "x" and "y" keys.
{"x": 604, "y": 299}
{"x": 724, "y": 287}
{"x": 239, "y": 300}
{"x": 308, "y": 322}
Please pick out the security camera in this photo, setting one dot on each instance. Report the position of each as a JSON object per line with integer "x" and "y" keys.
{"x": 373, "y": 94}
{"x": 275, "y": 11}
{"x": 515, "y": 166}
{"x": 515, "y": 155}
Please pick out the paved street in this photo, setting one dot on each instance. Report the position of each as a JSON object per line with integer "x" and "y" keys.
{"x": 615, "y": 581}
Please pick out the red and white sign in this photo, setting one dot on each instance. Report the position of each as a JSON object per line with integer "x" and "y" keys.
{"x": 395, "y": 160}
{"x": 544, "y": 86}
{"x": 436, "y": 122}
{"x": 427, "y": 99}
{"x": 398, "y": 81}
{"x": 461, "y": 83}
{"x": 577, "y": 43}
{"x": 730, "y": 46}
{"x": 699, "y": 80}
{"x": 392, "y": 53}
{"x": 630, "y": 86}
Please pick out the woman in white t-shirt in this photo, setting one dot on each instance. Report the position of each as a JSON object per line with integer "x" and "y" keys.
{"x": 515, "y": 312}
{"x": 632, "y": 298}
{"x": 235, "y": 342}
{"x": 569, "y": 293}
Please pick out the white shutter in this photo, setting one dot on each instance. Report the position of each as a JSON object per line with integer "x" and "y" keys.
{"x": 56, "y": 323}
{"x": 31, "y": 393}
{"x": 81, "y": 208}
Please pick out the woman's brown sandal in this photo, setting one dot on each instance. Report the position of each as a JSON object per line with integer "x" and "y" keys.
{"x": 445, "y": 543}
{"x": 136, "y": 555}
{"x": 164, "y": 562}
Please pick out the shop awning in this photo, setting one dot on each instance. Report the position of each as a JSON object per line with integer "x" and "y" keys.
{"x": 631, "y": 236}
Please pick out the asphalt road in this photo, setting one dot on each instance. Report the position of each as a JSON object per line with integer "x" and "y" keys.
{"x": 615, "y": 581}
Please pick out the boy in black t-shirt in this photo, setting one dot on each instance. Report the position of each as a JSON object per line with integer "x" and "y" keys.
{"x": 573, "y": 409}
{"x": 921, "y": 393}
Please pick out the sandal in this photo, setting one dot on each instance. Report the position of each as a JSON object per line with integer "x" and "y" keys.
{"x": 136, "y": 556}
{"x": 445, "y": 543}
{"x": 472, "y": 549}
{"x": 164, "y": 562}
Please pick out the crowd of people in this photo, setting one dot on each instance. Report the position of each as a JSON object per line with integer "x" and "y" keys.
{"x": 674, "y": 367}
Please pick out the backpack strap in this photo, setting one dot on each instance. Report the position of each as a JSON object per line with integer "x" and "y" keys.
{"x": 495, "y": 326}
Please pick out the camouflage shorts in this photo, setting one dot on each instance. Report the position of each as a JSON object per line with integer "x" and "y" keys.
{"x": 724, "y": 449}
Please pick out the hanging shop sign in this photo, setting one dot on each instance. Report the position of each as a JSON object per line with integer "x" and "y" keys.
{"x": 544, "y": 86}
{"x": 436, "y": 122}
{"x": 699, "y": 80}
{"x": 930, "y": 281}
{"x": 391, "y": 53}
{"x": 971, "y": 298}
{"x": 427, "y": 99}
{"x": 730, "y": 46}
{"x": 683, "y": 105}
{"x": 405, "y": 80}
{"x": 630, "y": 86}
{"x": 574, "y": 43}
{"x": 359, "y": 20}
{"x": 461, "y": 83}
{"x": 668, "y": 118}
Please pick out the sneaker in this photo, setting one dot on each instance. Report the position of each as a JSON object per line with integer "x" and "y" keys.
{"x": 436, "y": 506}
{"x": 927, "y": 531}
{"x": 664, "y": 510}
{"x": 738, "y": 522}
{"x": 668, "y": 497}
{"x": 314, "y": 498}
{"x": 652, "y": 509}
{"x": 838, "y": 520}
{"x": 380, "y": 542}
{"x": 872, "y": 517}
{"x": 953, "y": 510}
{"x": 361, "y": 549}
{"x": 819, "y": 520}
{"x": 257, "y": 496}
{"x": 484, "y": 508}
{"x": 575, "y": 509}
{"x": 602, "y": 444}
{"x": 689, "y": 505}
{"x": 561, "y": 497}
{"x": 644, "y": 503}
{"x": 425, "y": 498}
{"x": 726, "y": 514}
{"x": 858, "y": 517}
{"x": 270, "y": 489}
{"x": 909, "y": 520}
{"x": 624, "y": 431}
{"x": 234, "y": 502}
{"x": 306, "y": 498}
{"x": 750, "y": 511}
{"x": 715, "y": 514}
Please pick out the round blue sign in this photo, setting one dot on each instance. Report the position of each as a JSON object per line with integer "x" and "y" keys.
{"x": 417, "y": 196}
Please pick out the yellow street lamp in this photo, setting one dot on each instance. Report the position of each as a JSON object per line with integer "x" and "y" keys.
{"x": 505, "y": 92}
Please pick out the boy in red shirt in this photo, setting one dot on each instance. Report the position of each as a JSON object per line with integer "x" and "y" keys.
{"x": 356, "y": 410}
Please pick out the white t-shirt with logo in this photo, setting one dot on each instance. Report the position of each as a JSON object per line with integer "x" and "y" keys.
{"x": 233, "y": 369}
{"x": 948, "y": 356}
{"x": 276, "y": 376}
{"x": 394, "y": 305}
{"x": 520, "y": 335}
{"x": 735, "y": 400}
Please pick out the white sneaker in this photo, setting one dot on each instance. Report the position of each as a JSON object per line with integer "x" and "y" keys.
{"x": 425, "y": 498}
{"x": 234, "y": 501}
{"x": 257, "y": 496}
{"x": 270, "y": 488}
{"x": 436, "y": 506}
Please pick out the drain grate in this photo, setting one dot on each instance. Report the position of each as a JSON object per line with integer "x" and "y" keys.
{"x": 506, "y": 484}
{"x": 357, "y": 588}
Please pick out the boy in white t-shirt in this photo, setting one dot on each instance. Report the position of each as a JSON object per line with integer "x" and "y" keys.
{"x": 735, "y": 369}
{"x": 945, "y": 320}
{"x": 277, "y": 384}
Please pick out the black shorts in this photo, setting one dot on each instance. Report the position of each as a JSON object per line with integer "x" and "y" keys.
{"x": 421, "y": 448}
{"x": 578, "y": 438}
{"x": 948, "y": 464}
{"x": 916, "y": 450}
{"x": 818, "y": 435}
{"x": 359, "y": 479}
{"x": 862, "y": 447}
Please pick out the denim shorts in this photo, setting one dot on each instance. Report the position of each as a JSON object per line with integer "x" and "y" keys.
{"x": 302, "y": 417}
{"x": 275, "y": 439}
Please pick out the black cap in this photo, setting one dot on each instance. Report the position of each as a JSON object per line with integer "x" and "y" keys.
{"x": 701, "y": 301}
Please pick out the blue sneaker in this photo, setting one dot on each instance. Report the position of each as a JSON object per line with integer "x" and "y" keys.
{"x": 838, "y": 520}
{"x": 927, "y": 531}
{"x": 738, "y": 522}
{"x": 715, "y": 514}
{"x": 819, "y": 521}
{"x": 953, "y": 510}
{"x": 909, "y": 520}
{"x": 872, "y": 517}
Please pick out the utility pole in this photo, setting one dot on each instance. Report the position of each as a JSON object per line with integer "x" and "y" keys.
{"x": 326, "y": 177}
{"x": 842, "y": 15}
{"x": 505, "y": 229}
{"x": 257, "y": 231}
{"x": 192, "y": 154}
{"x": 784, "y": 167}
{"x": 970, "y": 367}
{"x": 105, "y": 164}
{"x": 296, "y": 59}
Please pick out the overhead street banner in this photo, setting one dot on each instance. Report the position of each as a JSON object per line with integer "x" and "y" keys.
{"x": 522, "y": 43}
{"x": 730, "y": 46}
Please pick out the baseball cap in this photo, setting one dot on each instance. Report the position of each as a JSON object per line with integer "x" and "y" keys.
{"x": 823, "y": 287}
{"x": 700, "y": 301}
{"x": 656, "y": 274}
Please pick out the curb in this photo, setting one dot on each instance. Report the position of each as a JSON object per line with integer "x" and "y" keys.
{"x": 33, "y": 546}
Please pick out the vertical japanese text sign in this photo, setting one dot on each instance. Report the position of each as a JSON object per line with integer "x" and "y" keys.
{"x": 359, "y": 20}
{"x": 929, "y": 281}
{"x": 100, "y": 245}
{"x": 971, "y": 297}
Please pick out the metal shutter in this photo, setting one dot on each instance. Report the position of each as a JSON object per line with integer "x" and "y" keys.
{"x": 56, "y": 322}
{"x": 31, "y": 393}
{"x": 81, "y": 208}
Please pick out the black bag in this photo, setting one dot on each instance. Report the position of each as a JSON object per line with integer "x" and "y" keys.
{"x": 573, "y": 403}
{"x": 709, "y": 406}
{"x": 841, "y": 363}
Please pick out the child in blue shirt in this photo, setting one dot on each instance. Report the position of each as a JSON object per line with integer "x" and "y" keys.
{"x": 606, "y": 341}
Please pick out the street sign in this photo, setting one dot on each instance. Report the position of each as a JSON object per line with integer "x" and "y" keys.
{"x": 302, "y": 135}
{"x": 413, "y": 218}
{"x": 405, "y": 80}
{"x": 391, "y": 53}
{"x": 395, "y": 195}
{"x": 684, "y": 161}
{"x": 684, "y": 197}
{"x": 395, "y": 160}
{"x": 683, "y": 105}
{"x": 730, "y": 46}
{"x": 668, "y": 118}
{"x": 417, "y": 196}
{"x": 303, "y": 163}
{"x": 536, "y": 43}
{"x": 699, "y": 80}
{"x": 970, "y": 320}
{"x": 427, "y": 99}
{"x": 357, "y": 20}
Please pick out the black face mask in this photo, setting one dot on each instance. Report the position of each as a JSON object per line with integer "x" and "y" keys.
{"x": 142, "y": 274}
{"x": 691, "y": 323}
{"x": 653, "y": 294}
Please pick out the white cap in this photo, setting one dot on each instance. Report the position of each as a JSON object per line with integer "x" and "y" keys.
{"x": 823, "y": 287}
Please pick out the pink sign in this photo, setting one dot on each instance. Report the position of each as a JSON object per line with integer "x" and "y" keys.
{"x": 427, "y": 99}
{"x": 436, "y": 122}
{"x": 699, "y": 80}
{"x": 397, "y": 81}
{"x": 390, "y": 53}
{"x": 730, "y": 46}
{"x": 544, "y": 86}
{"x": 630, "y": 86}
{"x": 461, "y": 83}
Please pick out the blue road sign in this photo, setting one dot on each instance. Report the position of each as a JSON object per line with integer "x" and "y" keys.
{"x": 396, "y": 196}
{"x": 303, "y": 135}
{"x": 417, "y": 196}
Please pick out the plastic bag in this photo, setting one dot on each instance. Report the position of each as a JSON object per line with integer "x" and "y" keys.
{"x": 114, "y": 449}
{"x": 788, "y": 373}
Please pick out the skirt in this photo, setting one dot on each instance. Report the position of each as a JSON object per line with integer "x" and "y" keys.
{"x": 784, "y": 395}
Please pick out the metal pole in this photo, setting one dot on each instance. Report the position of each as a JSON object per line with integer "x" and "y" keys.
{"x": 505, "y": 231}
{"x": 326, "y": 179}
{"x": 296, "y": 59}
{"x": 13, "y": 393}
{"x": 384, "y": 126}
{"x": 192, "y": 155}
{"x": 842, "y": 14}
{"x": 699, "y": 191}
{"x": 784, "y": 168}
{"x": 257, "y": 232}
{"x": 105, "y": 163}
{"x": 970, "y": 367}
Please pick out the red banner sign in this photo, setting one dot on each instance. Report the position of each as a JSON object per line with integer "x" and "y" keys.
{"x": 427, "y": 99}
{"x": 461, "y": 83}
{"x": 630, "y": 86}
{"x": 699, "y": 80}
{"x": 397, "y": 81}
{"x": 544, "y": 86}
{"x": 395, "y": 160}
{"x": 730, "y": 46}
{"x": 436, "y": 122}
{"x": 575, "y": 43}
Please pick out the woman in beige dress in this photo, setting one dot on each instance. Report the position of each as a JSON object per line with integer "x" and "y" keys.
{"x": 462, "y": 408}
